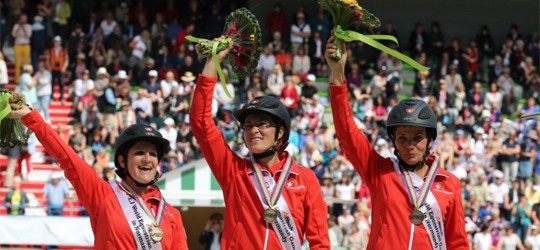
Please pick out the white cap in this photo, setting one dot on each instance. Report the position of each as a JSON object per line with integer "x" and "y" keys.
{"x": 102, "y": 71}
{"x": 479, "y": 131}
{"x": 57, "y": 39}
{"x": 169, "y": 121}
{"x": 122, "y": 74}
{"x": 56, "y": 175}
{"x": 381, "y": 142}
{"x": 311, "y": 77}
{"x": 152, "y": 73}
{"x": 498, "y": 174}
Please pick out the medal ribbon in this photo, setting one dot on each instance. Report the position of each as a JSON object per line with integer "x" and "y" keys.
{"x": 271, "y": 199}
{"x": 158, "y": 218}
{"x": 418, "y": 200}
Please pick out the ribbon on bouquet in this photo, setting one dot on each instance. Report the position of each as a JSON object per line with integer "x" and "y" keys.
{"x": 371, "y": 40}
{"x": 5, "y": 108}
{"x": 215, "y": 45}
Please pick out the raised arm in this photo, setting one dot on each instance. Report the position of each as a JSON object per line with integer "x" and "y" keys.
{"x": 215, "y": 149}
{"x": 89, "y": 187}
{"x": 357, "y": 147}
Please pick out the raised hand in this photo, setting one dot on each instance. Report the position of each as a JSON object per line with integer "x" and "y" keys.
{"x": 337, "y": 67}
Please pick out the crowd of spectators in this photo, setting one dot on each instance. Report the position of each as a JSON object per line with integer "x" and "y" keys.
{"x": 130, "y": 63}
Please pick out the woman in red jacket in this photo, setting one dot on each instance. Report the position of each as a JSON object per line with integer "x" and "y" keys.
{"x": 415, "y": 203}
{"x": 271, "y": 202}
{"x": 130, "y": 214}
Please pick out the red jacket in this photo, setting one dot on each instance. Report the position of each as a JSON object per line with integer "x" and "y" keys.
{"x": 391, "y": 227}
{"x": 244, "y": 227}
{"x": 109, "y": 224}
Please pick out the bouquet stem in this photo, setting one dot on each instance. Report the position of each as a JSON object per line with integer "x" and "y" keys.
{"x": 336, "y": 55}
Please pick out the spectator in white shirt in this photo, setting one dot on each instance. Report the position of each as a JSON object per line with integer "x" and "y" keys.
{"x": 266, "y": 63}
{"x": 300, "y": 33}
{"x": 108, "y": 24}
{"x": 43, "y": 78}
{"x": 170, "y": 132}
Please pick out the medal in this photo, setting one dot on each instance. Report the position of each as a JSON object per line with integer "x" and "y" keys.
{"x": 418, "y": 199}
{"x": 270, "y": 199}
{"x": 417, "y": 217}
{"x": 156, "y": 234}
{"x": 270, "y": 215}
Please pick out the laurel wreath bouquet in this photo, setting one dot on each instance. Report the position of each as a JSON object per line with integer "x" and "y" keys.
{"x": 345, "y": 13}
{"x": 12, "y": 131}
{"x": 241, "y": 28}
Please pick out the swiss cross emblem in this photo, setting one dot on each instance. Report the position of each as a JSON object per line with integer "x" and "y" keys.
{"x": 255, "y": 101}
{"x": 409, "y": 110}
{"x": 148, "y": 129}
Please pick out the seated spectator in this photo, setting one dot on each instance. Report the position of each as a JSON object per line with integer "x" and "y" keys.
{"x": 301, "y": 63}
{"x": 170, "y": 162}
{"x": 226, "y": 123}
{"x": 16, "y": 199}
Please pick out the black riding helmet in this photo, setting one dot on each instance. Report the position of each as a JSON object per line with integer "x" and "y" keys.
{"x": 132, "y": 135}
{"x": 412, "y": 112}
{"x": 272, "y": 106}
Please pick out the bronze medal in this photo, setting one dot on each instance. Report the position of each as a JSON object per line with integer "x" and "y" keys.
{"x": 417, "y": 217}
{"x": 156, "y": 234}
{"x": 270, "y": 215}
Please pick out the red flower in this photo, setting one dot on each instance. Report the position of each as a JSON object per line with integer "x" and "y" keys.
{"x": 240, "y": 61}
{"x": 232, "y": 30}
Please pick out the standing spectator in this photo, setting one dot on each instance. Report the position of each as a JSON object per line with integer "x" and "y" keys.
{"x": 58, "y": 62}
{"x": 418, "y": 40}
{"x": 529, "y": 146}
{"x": 136, "y": 60}
{"x": 276, "y": 21}
{"x": 499, "y": 192}
{"x": 61, "y": 16}
{"x": 4, "y": 78}
{"x": 44, "y": 9}
{"x": 38, "y": 41}
{"x": 300, "y": 33}
{"x": 211, "y": 236}
{"x": 55, "y": 193}
{"x": 16, "y": 199}
{"x": 22, "y": 32}
{"x": 511, "y": 149}
{"x": 27, "y": 85}
{"x": 522, "y": 217}
{"x": 43, "y": 85}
